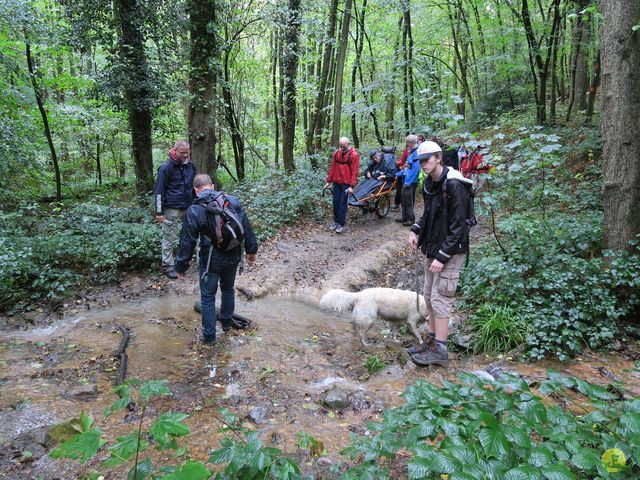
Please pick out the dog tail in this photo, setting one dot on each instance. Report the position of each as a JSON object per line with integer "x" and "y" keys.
{"x": 338, "y": 301}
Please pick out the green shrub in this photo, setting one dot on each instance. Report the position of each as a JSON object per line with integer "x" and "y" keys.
{"x": 48, "y": 251}
{"x": 497, "y": 328}
{"x": 501, "y": 430}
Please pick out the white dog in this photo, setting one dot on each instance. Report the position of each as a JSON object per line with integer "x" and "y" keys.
{"x": 386, "y": 303}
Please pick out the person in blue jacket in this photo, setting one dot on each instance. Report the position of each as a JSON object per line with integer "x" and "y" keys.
{"x": 409, "y": 177}
{"x": 216, "y": 266}
{"x": 174, "y": 194}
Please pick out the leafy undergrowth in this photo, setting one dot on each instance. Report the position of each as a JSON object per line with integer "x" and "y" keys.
{"x": 506, "y": 429}
{"x": 546, "y": 262}
{"x": 48, "y": 250}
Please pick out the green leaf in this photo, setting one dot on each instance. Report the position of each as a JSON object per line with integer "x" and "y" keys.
{"x": 523, "y": 472}
{"x": 167, "y": 426}
{"x": 490, "y": 420}
{"x": 585, "y": 459}
{"x": 83, "y": 446}
{"x": 494, "y": 442}
{"x": 557, "y": 472}
{"x": 540, "y": 456}
{"x": 124, "y": 449}
{"x": 154, "y": 388}
{"x": 419, "y": 468}
{"x": 141, "y": 471}
{"x": 120, "y": 403}
{"x": 189, "y": 470}
{"x": 518, "y": 436}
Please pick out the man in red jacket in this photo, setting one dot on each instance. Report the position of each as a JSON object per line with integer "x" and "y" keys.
{"x": 343, "y": 173}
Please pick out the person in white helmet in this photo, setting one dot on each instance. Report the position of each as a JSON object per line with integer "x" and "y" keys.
{"x": 442, "y": 234}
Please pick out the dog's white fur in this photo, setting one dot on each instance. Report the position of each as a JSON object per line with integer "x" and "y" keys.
{"x": 368, "y": 305}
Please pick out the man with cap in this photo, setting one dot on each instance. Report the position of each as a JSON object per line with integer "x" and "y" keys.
{"x": 442, "y": 234}
{"x": 343, "y": 173}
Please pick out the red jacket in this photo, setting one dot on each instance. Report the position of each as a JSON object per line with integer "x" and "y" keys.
{"x": 403, "y": 159}
{"x": 344, "y": 167}
{"x": 473, "y": 163}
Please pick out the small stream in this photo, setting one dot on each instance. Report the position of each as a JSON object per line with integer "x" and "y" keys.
{"x": 283, "y": 368}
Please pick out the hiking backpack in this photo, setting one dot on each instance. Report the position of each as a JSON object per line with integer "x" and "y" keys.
{"x": 224, "y": 224}
{"x": 471, "y": 210}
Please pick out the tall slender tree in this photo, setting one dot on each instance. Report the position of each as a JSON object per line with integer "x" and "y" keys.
{"x": 203, "y": 75}
{"x": 138, "y": 88}
{"x": 290, "y": 68}
{"x": 342, "y": 55}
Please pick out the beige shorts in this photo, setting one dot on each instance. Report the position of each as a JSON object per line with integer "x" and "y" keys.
{"x": 440, "y": 288}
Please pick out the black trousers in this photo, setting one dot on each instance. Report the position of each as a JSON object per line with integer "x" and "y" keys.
{"x": 408, "y": 200}
{"x": 398, "y": 199}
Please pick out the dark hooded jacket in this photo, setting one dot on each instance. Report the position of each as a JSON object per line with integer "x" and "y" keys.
{"x": 443, "y": 230}
{"x": 174, "y": 184}
{"x": 385, "y": 167}
{"x": 196, "y": 226}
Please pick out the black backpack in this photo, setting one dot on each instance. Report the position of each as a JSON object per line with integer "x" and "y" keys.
{"x": 471, "y": 210}
{"x": 225, "y": 230}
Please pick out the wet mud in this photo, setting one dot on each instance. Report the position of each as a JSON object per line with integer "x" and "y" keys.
{"x": 275, "y": 377}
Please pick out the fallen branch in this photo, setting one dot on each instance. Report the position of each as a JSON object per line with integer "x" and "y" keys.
{"x": 122, "y": 353}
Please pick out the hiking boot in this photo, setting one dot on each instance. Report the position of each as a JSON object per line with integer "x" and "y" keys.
{"x": 407, "y": 224}
{"x": 171, "y": 273}
{"x": 426, "y": 344}
{"x": 339, "y": 229}
{"x": 394, "y": 208}
{"x": 197, "y": 307}
{"x": 226, "y": 325}
{"x": 333, "y": 226}
{"x": 400, "y": 220}
{"x": 208, "y": 340}
{"x": 436, "y": 354}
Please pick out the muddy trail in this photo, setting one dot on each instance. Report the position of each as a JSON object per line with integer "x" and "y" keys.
{"x": 276, "y": 376}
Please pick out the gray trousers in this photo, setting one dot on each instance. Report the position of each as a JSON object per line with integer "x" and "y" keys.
{"x": 170, "y": 235}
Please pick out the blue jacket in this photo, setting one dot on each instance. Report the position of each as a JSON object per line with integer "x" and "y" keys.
{"x": 174, "y": 185}
{"x": 411, "y": 173}
{"x": 196, "y": 226}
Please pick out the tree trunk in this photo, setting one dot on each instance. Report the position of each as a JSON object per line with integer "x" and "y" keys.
{"x": 274, "y": 85}
{"x": 237, "y": 140}
{"x": 290, "y": 69}
{"x": 405, "y": 79}
{"x": 137, "y": 88}
{"x": 620, "y": 121}
{"x": 203, "y": 76}
{"x": 410, "y": 79}
{"x": 45, "y": 120}
{"x": 582, "y": 75}
{"x": 593, "y": 89}
{"x": 314, "y": 125}
{"x": 342, "y": 55}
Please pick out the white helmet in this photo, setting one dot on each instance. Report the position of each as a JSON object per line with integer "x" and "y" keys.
{"x": 426, "y": 149}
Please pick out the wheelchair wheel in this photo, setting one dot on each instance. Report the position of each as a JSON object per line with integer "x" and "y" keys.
{"x": 382, "y": 206}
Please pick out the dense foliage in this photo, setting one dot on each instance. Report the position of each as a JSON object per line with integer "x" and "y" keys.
{"x": 47, "y": 250}
{"x": 550, "y": 271}
{"x": 501, "y": 430}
